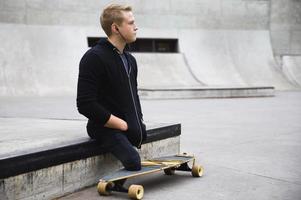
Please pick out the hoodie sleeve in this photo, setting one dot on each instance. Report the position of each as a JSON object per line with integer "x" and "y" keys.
{"x": 90, "y": 71}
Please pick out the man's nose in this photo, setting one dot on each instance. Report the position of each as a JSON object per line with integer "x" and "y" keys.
{"x": 136, "y": 28}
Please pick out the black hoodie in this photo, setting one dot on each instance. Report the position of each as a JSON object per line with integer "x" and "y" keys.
{"x": 105, "y": 88}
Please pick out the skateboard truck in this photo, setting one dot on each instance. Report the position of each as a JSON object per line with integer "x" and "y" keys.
{"x": 106, "y": 188}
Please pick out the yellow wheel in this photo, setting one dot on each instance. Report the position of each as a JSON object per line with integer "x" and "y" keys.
{"x": 102, "y": 188}
{"x": 197, "y": 171}
{"x": 136, "y": 191}
{"x": 169, "y": 171}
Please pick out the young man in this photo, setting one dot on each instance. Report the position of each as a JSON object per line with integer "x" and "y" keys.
{"x": 107, "y": 89}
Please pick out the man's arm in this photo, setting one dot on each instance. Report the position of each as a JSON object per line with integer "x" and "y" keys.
{"x": 87, "y": 94}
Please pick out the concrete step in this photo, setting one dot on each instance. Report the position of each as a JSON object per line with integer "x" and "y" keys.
{"x": 47, "y": 173}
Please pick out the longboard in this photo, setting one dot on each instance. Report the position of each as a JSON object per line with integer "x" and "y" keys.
{"x": 169, "y": 164}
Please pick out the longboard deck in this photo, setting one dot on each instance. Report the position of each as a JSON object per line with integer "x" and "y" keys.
{"x": 149, "y": 166}
{"x": 123, "y": 174}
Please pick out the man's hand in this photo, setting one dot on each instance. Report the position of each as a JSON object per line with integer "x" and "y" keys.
{"x": 116, "y": 123}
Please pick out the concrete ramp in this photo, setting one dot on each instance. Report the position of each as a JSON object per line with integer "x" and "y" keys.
{"x": 43, "y": 61}
{"x": 164, "y": 70}
{"x": 39, "y": 60}
{"x": 168, "y": 76}
{"x": 291, "y": 66}
{"x": 232, "y": 58}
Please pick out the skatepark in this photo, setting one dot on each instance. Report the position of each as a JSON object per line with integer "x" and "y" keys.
{"x": 231, "y": 95}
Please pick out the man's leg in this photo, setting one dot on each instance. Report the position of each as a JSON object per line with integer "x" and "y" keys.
{"x": 117, "y": 143}
{"x": 124, "y": 151}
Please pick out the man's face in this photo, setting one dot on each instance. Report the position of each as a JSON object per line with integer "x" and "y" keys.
{"x": 128, "y": 28}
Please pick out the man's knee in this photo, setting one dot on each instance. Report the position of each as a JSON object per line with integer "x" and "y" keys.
{"x": 133, "y": 163}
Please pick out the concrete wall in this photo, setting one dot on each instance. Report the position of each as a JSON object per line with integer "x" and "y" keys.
{"x": 42, "y": 41}
{"x": 40, "y": 60}
{"x": 285, "y": 27}
{"x": 205, "y": 14}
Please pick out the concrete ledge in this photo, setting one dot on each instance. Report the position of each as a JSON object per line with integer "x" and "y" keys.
{"x": 205, "y": 92}
{"x": 59, "y": 171}
{"x": 83, "y": 148}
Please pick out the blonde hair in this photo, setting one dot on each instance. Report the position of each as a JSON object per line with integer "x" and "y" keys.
{"x": 112, "y": 14}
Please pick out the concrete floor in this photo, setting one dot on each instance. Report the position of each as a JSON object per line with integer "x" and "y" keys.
{"x": 250, "y": 148}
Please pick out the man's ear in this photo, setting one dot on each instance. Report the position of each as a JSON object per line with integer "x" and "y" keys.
{"x": 114, "y": 28}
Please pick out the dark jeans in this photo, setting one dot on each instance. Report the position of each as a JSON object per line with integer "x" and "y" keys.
{"x": 118, "y": 144}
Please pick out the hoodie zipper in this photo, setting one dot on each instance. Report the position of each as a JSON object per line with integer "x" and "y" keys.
{"x": 136, "y": 113}
{"x": 132, "y": 95}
